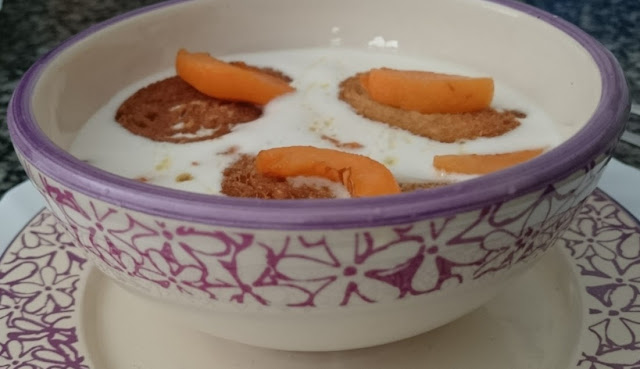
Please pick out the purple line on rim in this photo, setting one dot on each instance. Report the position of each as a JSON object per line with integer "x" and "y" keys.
{"x": 604, "y": 127}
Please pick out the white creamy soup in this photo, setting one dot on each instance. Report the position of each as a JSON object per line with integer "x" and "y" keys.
{"x": 302, "y": 118}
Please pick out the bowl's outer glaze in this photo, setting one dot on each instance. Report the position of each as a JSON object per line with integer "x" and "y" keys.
{"x": 222, "y": 267}
{"x": 431, "y": 263}
{"x": 434, "y": 269}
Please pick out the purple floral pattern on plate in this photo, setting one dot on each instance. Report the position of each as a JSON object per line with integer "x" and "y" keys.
{"x": 603, "y": 242}
{"x": 41, "y": 275}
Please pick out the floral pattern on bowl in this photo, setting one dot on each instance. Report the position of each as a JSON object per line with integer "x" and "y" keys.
{"x": 212, "y": 265}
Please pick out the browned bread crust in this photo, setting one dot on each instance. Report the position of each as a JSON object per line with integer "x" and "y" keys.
{"x": 410, "y": 187}
{"x": 241, "y": 179}
{"x": 171, "y": 110}
{"x": 439, "y": 127}
{"x": 156, "y": 110}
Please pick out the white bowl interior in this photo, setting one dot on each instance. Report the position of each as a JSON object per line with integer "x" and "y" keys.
{"x": 527, "y": 54}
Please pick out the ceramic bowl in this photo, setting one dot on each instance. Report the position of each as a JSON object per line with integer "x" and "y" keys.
{"x": 322, "y": 274}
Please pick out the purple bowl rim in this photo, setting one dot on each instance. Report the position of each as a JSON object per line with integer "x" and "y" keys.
{"x": 595, "y": 138}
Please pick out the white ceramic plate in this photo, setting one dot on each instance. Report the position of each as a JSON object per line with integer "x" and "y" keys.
{"x": 579, "y": 307}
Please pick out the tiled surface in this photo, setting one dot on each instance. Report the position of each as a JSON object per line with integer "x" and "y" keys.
{"x": 30, "y": 28}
